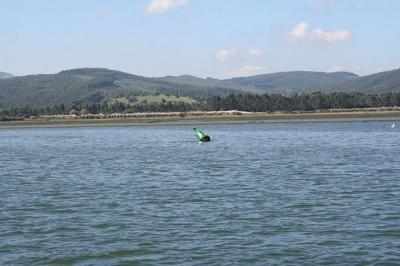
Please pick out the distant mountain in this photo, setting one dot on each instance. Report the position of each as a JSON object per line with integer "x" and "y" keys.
{"x": 4, "y": 75}
{"x": 306, "y": 82}
{"x": 294, "y": 81}
{"x": 388, "y": 81}
{"x": 99, "y": 84}
{"x": 90, "y": 85}
{"x": 282, "y": 82}
{"x": 207, "y": 82}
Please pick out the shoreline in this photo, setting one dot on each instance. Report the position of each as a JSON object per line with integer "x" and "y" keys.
{"x": 223, "y": 117}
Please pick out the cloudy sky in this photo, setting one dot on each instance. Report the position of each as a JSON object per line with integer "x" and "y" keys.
{"x": 215, "y": 38}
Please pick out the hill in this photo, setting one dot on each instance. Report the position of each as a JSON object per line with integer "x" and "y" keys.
{"x": 294, "y": 81}
{"x": 90, "y": 85}
{"x": 95, "y": 85}
{"x": 4, "y": 75}
{"x": 282, "y": 82}
{"x": 301, "y": 82}
{"x": 208, "y": 82}
{"x": 387, "y": 81}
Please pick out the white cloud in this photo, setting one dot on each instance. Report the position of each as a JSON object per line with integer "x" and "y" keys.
{"x": 225, "y": 54}
{"x": 247, "y": 70}
{"x": 254, "y": 52}
{"x": 331, "y": 36}
{"x": 162, "y": 6}
{"x": 302, "y": 33}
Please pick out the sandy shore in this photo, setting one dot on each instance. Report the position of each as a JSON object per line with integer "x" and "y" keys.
{"x": 197, "y": 118}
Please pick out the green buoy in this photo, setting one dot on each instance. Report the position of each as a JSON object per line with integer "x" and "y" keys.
{"x": 201, "y": 136}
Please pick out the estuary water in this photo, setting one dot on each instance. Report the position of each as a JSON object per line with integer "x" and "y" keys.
{"x": 258, "y": 194}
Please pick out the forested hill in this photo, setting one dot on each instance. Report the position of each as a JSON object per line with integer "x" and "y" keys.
{"x": 283, "y": 82}
{"x": 96, "y": 85}
{"x": 209, "y": 82}
{"x": 388, "y": 81}
{"x": 288, "y": 83}
{"x": 294, "y": 81}
{"x": 4, "y": 75}
{"x": 90, "y": 85}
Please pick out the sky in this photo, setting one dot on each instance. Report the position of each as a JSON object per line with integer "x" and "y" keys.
{"x": 205, "y": 38}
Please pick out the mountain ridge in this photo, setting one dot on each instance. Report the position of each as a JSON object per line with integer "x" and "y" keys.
{"x": 293, "y": 81}
{"x": 4, "y": 75}
{"x": 80, "y": 85}
{"x": 386, "y": 81}
{"x": 95, "y": 85}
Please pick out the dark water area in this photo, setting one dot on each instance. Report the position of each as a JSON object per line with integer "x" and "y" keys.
{"x": 257, "y": 194}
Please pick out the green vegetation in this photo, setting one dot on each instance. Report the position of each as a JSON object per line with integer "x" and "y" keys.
{"x": 284, "y": 82}
{"x": 241, "y": 102}
{"x": 90, "y": 85}
{"x": 209, "y": 82}
{"x": 96, "y": 85}
{"x": 388, "y": 81}
{"x": 302, "y": 102}
{"x": 294, "y": 81}
{"x": 153, "y": 99}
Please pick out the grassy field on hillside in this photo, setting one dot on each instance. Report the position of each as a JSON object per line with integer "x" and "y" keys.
{"x": 153, "y": 99}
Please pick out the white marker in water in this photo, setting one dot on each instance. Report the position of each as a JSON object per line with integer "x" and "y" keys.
{"x": 393, "y": 125}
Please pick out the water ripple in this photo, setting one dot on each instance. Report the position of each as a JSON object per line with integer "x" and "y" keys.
{"x": 315, "y": 193}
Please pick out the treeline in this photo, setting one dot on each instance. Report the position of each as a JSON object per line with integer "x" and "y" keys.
{"x": 302, "y": 102}
{"x": 97, "y": 108}
{"x": 241, "y": 102}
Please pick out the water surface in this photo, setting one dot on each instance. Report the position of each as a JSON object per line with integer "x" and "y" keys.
{"x": 262, "y": 194}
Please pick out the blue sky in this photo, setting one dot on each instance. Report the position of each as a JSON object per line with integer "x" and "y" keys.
{"x": 215, "y": 38}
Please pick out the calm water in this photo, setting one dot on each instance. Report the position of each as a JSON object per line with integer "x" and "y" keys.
{"x": 301, "y": 193}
